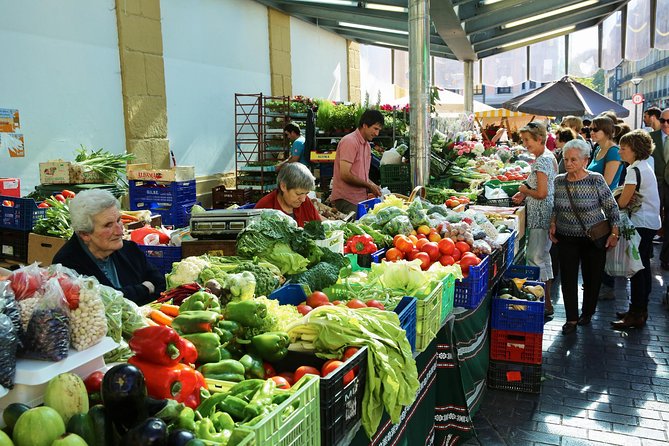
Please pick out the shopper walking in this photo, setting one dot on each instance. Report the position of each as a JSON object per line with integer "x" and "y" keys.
{"x": 582, "y": 200}
{"x": 661, "y": 158}
{"x": 635, "y": 148}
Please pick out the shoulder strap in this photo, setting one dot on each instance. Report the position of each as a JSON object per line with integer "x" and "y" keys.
{"x": 638, "y": 178}
{"x": 573, "y": 207}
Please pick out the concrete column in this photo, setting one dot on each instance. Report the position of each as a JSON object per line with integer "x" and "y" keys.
{"x": 353, "y": 57}
{"x": 140, "y": 43}
{"x": 279, "y": 53}
{"x": 469, "y": 86}
{"x": 419, "y": 90}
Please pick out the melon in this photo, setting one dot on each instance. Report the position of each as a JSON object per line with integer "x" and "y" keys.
{"x": 39, "y": 426}
{"x": 66, "y": 393}
{"x": 5, "y": 440}
{"x": 69, "y": 440}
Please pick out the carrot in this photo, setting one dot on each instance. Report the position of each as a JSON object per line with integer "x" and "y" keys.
{"x": 129, "y": 217}
{"x": 150, "y": 322}
{"x": 170, "y": 310}
{"x": 161, "y": 318}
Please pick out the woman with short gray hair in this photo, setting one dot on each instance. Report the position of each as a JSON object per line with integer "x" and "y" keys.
{"x": 294, "y": 182}
{"x": 97, "y": 249}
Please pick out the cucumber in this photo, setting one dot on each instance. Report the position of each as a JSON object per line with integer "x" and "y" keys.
{"x": 12, "y": 413}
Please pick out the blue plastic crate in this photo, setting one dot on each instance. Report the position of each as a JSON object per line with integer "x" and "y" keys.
{"x": 377, "y": 256}
{"x": 509, "y": 249}
{"x": 365, "y": 206}
{"x": 518, "y": 315}
{"x": 247, "y": 206}
{"x": 522, "y": 272}
{"x": 19, "y": 213}
{"x": 406, "y": 310}
{"x": 470, "y": 291}
{"x": 290, "y": 294}
{"x": 176, "y": 192}
{"x": 177, "y": 215}
{"x": 162, "y": 257}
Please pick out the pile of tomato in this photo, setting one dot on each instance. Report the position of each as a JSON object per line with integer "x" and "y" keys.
{"x": 455, "y": 201}
{"x": 318, "y": 299}
{"x": 513, "y": 174}
{"x": 285, "y": 380}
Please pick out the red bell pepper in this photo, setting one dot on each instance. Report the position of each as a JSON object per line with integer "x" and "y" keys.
{"x": 179, "y": 382}
{"x": 361, "y": 244}
{"x": 162, "y": 345}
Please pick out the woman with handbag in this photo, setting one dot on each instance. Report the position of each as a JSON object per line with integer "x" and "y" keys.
{"x": 640, "y": 198}
{"x": 584, "y": 223}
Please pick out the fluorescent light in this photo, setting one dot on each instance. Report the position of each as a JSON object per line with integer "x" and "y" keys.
{"x": 490, "y": 2}
{"x": 555, "y": 33}
{"x": 389, "y": 44}
{"x": 373, "y": 28}
{"x": 332, "y": 2}
{"x": 548, "y": 14}
{"x": 380, "y": 7}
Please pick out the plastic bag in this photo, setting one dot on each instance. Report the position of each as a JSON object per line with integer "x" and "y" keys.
{"x": 48, "y": 334}
{"x": 8, "y": 344}
{"x": 10, "y": 308}
{"x": 624, "y": 260}
{"x": 88, "y": 322}
{"x": 113, "y": 302}
{"x": 132, "y": 318}
{"x": 398, "y": 225}
{"x": 391, "y": 156}
{"x": 27, "y": 281}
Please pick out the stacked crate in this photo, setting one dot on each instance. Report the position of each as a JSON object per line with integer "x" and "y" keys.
{"x": 17, "y": 218}
{"x": 396, "y": 177}
{"x": 172, "y": 200}
{"x": 516, "y": 338}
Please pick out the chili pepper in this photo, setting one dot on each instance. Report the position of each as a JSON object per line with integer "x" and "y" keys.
{"x": 253, "y": 367}
{"x": 271, "y": 346}
{"x": 186, "y": 419}
{"x": 199, "y": 301}
{"x": 195, "y": 321}
{"x": 261, "y": 400}
{"x": 180, "y": 293}
{"x": 178, "y": 381}
{"x": 161, "y": 345}
{"x": 245, "y": 386}
{"x": 208, "y": 346}
{"x": 362, "y": 244}
{"x": 223, "y": 421}
{"x": 247, "y": 313}
{"x": 225, "y": 370}
{"x": 234, "y": 406}
{"x": 279, "y": 398}
{"x": 208, "y": 406}
{"x": 207, "y": 431}
{"x": 59, "y": 197}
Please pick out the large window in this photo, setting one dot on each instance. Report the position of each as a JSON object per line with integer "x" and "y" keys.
{"x": 503, "y": 90}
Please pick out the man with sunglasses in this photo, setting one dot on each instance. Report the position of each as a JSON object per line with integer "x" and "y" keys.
{"x": 661, "y": 157}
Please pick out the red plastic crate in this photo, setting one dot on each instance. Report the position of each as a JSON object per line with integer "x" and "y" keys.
{"x": 515, "y": 346}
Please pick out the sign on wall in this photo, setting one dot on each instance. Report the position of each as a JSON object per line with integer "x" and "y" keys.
{"x": 10, "y": 141}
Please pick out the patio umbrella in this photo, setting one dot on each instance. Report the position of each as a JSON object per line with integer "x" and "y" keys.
{"x": 564, "y": 97}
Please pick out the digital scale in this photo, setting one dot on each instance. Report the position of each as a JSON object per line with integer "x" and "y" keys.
{"x": 221, "y": 223}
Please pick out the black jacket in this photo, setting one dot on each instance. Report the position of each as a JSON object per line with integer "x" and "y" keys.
{"x": 131, "y": 267}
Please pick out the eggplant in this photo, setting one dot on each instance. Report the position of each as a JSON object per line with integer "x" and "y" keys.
{"x": 123, "y": 395}
{"x": 180, "y": 437}
{"x": 150, "y": 432}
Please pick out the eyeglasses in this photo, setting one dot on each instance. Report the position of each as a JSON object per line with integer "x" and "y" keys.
{"x": 663, "y": 121}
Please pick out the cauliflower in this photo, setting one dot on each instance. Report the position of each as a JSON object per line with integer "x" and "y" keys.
{"x": 186, "y": 271}
{"x": 266, "y": 281}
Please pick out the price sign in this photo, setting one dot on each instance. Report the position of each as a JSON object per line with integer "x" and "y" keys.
{"x": 637, "y": 98}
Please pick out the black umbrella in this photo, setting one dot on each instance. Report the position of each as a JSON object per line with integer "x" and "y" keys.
{"x": 564, "y": 97}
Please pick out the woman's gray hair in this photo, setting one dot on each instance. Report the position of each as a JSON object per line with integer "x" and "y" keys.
{"x": 86, "y": 205}
{"x": 582, "y": 147}
{"x": 296, "y": 176}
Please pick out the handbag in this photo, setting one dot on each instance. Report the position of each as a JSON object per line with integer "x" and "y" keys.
{"x": 597, "y": 233}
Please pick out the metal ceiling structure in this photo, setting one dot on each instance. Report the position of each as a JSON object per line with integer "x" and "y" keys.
{"x": 465, "y": 30}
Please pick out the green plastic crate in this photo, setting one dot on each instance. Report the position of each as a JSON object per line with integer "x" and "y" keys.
{"x": 510, "y": 187}
{"x": 447, "y": 296}
{"x": 428, "y": 317}
{"x": 301, "y": 428}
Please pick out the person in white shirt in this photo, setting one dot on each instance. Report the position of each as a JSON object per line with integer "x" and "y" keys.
{"x": 635, "y": 148}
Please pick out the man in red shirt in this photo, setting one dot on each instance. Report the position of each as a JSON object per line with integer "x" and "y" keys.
{"x": 350, "y": 182}
{"x": 294, "y": 181}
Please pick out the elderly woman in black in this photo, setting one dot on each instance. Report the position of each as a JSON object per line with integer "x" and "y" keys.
{"x": 582, "y": 199}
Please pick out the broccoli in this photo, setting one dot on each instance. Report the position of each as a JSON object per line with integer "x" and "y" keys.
{"x": 212, "y": 272}
{"x": 319, "y": 277}
{"x": 336, "y": 259}
{"x": 266, "y": 281}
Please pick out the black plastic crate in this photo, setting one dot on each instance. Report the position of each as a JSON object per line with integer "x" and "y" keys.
{"x": 341, "y": 406}
{"x": 500, "y": 202}
{"x": 14, "y": 245}
{"x": 395, "y": 173}
{"x": 221, "y": 197}
{"x": 515, "y": 377}
{"x": 403, "y": 188}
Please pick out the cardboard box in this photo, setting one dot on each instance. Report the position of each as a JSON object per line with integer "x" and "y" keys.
{"x": 199, "y": 247}
{"x": 42, "y": 248}
{"x": 143, "y": 171}
{"x": 65, "y": 172}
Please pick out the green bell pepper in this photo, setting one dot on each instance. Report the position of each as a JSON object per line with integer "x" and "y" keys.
{"x": 261, "y": 400}
{"x": 225, "y": 370}
{"x": 253, "y": 366}
{"x": 247, "y": 313}
{"x": 208, "y": 346}
{"x": 223, "y": 421}
{"x": 200, "y": 301}
{"x": 271, "y": 346}
{"x": 195, "y": 321}
{"x": 206, "y": 430}
{"x": 186, "y": 419}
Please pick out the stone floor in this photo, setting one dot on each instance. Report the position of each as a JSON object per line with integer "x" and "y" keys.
{"x": 600, "y": 387}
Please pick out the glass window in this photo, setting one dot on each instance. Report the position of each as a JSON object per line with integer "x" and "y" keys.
{"x": 637, "y": 44}
{"x": 583, "y": 47}
{"x": 505, "y": 69}
{"x": 547, "y": 60}
{"x": 611, "y": 50}
{"x": 503, "y": 90}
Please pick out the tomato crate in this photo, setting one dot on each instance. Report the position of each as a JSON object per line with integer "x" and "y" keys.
{"x": 515, "y": 346}
{"x": 14, "y": 245}
{"x": 514, "y": 376}
{"x": 470, "y": 291}
{"x": 19, "y": 213}
{"x": 177, "y": 215}
{"x": 508, "y": 249}
{"x": 283, "y": 426}
{"x": 428, "y": 317}
{"x": 341, "y": 404}
{"x": 162, "y": 257}
{"x": 366, "y": 206}
{"x": 165, "y": 194}
{"x": 406, "y": 310}
{"x": 518, "y": 315}
{"x": 395, "y": 173}
{"x": 495, "y": 267}
{"x": 522, "y": 272}
{"x": 447, "y": 295}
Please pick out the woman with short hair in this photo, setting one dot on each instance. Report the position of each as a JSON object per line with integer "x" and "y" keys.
{"x": 97, "y": 249}
{"x": 294, "y": 182}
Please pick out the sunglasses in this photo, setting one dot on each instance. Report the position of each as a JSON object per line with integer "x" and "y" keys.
{"x": 663, "y": 121}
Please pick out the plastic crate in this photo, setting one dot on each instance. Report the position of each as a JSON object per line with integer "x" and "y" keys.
{"x": 14, "y": 245}
{"x": 514, "y": 376}
{"x": 515, "y": 346}
{"x": 365, "y": 206}
{"x": 290, "y": 294}
{"x": 500, "y": 202}
{"x": 509, "y": 249}
{"x": 395, "y": 173}
{"x": 522, "y": 272}
{"x": 247, "y": 206}
{"x": 403, "y": 188}
{"x": 518, "y": 315}
{"x": 19, "y": 213}
{"x": 176, "y": 215}
{"x": 495, "y": 267}
{"x": 165, "y": 194}
{"x": 376, "y": 258}
{"x": 447, "y": 295}
{"x": 300, "y": 428}
{"x": 335, "y": 243}
{"x": 222, "y": 197}
{"x": 470, "y": 291}
{"x": 341, "y": 405}
{"x": 428, "y": 317}
{"x": 510, "y": 187}
{"x": 406, "y": 310}
{"x": 162, "y": 257}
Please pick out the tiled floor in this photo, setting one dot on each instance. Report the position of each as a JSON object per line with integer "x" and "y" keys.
{"x": 601, "y": 386}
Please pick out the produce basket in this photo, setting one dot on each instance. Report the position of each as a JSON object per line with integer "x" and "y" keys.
{"x": 406, "y": 310}
{"x": 508, "y": 250}
{"x": 162, "y": 257}
{"x": 300, "y": 428}
{"x": 14, "y": 245}
{"x": 177, "y": 215}
{"x": 522, "y": 272}
{"x": 19, "y": 213}
{"x": 447, "y": 295}
{"x": 518, "y": 315}
{"x": 428, "y": 317}
{"x": 500, "y": 202}
{"x": 510, "y": 187}
{"x": 515, "y": 346}
{"x": 515, "y": 377}
{"x": 290, "y": 294}
{"x": 366, "y": 206}
{"x": 495, "y": 267}
{"x": 470, "y": 291}
{"x": 222, "y": 197}
{"x": 175, "y": 192}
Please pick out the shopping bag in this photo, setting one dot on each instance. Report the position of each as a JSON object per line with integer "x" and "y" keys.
{"x": 624, "y": 260}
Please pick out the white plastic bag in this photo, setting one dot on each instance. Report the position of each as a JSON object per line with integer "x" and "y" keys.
{"x": 391, "y": 156}
{"x": 624, "y": 260}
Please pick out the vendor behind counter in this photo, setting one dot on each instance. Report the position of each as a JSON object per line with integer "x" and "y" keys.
{"x": 97, "y": 249}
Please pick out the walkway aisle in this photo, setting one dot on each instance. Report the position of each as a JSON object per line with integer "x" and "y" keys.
{"x": 602, "y": 387}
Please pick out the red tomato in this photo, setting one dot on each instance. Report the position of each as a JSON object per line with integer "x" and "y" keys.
{"x": 502, "y": 178}
{"x": 420, "y": 237}
{"x": 463, "y": 247}
{"x": 350, "y": 351}
{"x": 432, "y": 249}
{"x": 403, "y": 243}
{"x": 93, "y": 382}
{"x": 413, "y": 239}
{"x": 456, "y": 254}
{"x": 451, "y": 203}
{"x": 305, "y": 369}
{"x": 59, "y": 197}
{"x": 467, "y": 261}
{"x": 281, "y": 382}
{"x": 421, "y": 242}
{"x": 43, "y": 205}
{"x": 330, "y": 366}
{"x": 446, "y": 246}
{"x": 269, "y": 370}
{"x": 288, "y": 376}
{"x": 375, "y": 304}
{"x": 425, "y": 260}
{"x": 304, "y": 309}
{"x": 356, "y": 303}
{"x": 394, "y": 254}
{"x": 68, "y": 193}
{"x": 446, "y": 260}
{"x": 336, "y": 302}
{"x": 317, "y": 298}
{"x": 412, "y": 254}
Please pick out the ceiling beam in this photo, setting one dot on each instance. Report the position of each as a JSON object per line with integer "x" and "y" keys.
{"x": 447, "y": 25}
{"x": 383, "y": 19}
{"x": 391, "y": 40}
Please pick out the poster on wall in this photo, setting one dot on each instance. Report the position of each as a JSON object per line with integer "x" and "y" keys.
{"x": 9, "y": 120}
{"x": 12, "y": 143}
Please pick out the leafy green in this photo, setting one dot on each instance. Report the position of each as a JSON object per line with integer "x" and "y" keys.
{"x": 315, "y": 230}
{"x": 318, "y": 277}
{"x": 288, "y": 261}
